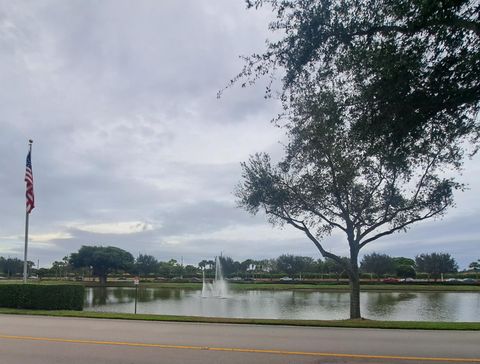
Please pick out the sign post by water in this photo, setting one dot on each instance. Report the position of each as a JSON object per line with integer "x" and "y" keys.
{"x": 136, "y": 282}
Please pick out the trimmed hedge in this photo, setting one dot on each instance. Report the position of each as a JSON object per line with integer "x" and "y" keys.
{"x": 42, "y": 297}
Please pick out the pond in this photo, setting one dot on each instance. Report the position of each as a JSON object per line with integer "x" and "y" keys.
{"x": 398, "y": 306}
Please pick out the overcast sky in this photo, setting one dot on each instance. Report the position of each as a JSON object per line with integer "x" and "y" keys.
{"x": 133, "y": 149}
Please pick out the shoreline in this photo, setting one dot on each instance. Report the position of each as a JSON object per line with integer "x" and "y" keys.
{"x": 320, "y": 286}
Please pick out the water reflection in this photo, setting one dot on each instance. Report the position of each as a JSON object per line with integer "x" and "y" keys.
{"x": 421, "y": 306}
{"x": 439, "y": 306}
{"x": 97, "y": 296}
{"x": 385, "y": 303}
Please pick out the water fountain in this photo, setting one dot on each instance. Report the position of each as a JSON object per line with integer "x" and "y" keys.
{"x": 218, "y": 288}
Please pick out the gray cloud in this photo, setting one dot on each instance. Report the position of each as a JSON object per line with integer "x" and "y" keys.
{"x": 132, "y": 147}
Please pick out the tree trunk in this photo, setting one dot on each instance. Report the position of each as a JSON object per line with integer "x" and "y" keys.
{"x": 355, "y": 297}
{"x": 354, "y": 286}
{"x": 103, "y": 279}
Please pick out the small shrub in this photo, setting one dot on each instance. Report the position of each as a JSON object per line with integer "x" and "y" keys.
{"x": 42, "y": 297}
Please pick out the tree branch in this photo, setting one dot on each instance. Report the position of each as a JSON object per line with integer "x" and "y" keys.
{"x": 300, "y": 225}
{"x": 410, "y": 206}
{"x": 315, "y": 212}
{"x": 335, "y": 186}
{"x": 401, "y": 226}
{"x": 452, "y": 22}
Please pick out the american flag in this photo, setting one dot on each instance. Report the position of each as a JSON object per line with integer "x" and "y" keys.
{"x": 29, "y": 180}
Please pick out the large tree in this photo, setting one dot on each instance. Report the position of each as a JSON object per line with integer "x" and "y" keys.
{"x": 329, "y": 180}
{"x": 229, "y": 266}
{"x": 404, "y": 267}
{"x": 475, "y": 265}
{"x": 331, "y": 266}
{"x": 379, "y": 98}
{"x": 102, "y": 260}
{"x": 436, "y": 264}
{"x": 170, "y": 269}
{"x": 408, "y": 70}
{"x": 378, "y": 264}
{"x": 294, "y": 264}
{"x": 13, "y": 266}
{"x": 146, "y": 264}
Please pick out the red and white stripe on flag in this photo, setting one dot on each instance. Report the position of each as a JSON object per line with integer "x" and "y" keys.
{"x": 29, "y": 180}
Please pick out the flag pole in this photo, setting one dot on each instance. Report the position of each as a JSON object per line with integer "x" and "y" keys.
{"x": 27, "y": 213}
{"x": 25, "y": 265}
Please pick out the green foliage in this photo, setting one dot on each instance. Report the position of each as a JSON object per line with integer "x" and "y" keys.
{"x": 247, "y": 265}
{"x": 379, "y": 98}
{"x": 146, "y": 264}
{"x": 334, "y": 268}
{"x": 61, "y": 268}
{"x": 405, "y": 271}
{"x": 11, "y": 267}
{"x": 43, "y": 272}
{"x": 191, "y": 271}
{"x": 206, "y": 264}
{"x": 293, "y": 264}
{"x": 229, "y": 266}
{"x": 404, "y": 261}
{"x": 102, "y": 260}
{"x": 436, "y": 264}
{"x": 404, "y": 267}
{"x": 327, "y": 180}
{"x": 475, "y": 266}
{"x": 170, "y": 269}
{"x": 378, "y": 264}
{"x": 42, "y": 297}
{"x": 407, "y": 72}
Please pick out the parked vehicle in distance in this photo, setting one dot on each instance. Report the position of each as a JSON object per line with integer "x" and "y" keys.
{"x": 408, "y": 279}
{"x": 390, "y": 280}
{"x": 469, "y": 280}
{"x": 453, "y": 280}
{"x": 286, "y": 279}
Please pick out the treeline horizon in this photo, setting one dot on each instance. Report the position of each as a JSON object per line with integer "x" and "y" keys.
{"x": 374, "y": 265}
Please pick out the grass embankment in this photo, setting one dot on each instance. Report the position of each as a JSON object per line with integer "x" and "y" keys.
{"x": 331, "y": 286}
{"x": 43, "y": 282}
{"x": 416, "y": 325}
{"x": 363, "y": 287}
{"x": 316, "y": 287}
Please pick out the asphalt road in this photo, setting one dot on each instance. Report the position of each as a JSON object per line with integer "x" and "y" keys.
{"x": 56, "y": 340}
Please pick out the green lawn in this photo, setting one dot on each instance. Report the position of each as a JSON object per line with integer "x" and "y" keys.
{"x": 323, "y": 287}
{"x": 417, "y": 325}
{"x": 331, "y": 286}
{"x": 364, "y": 287}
